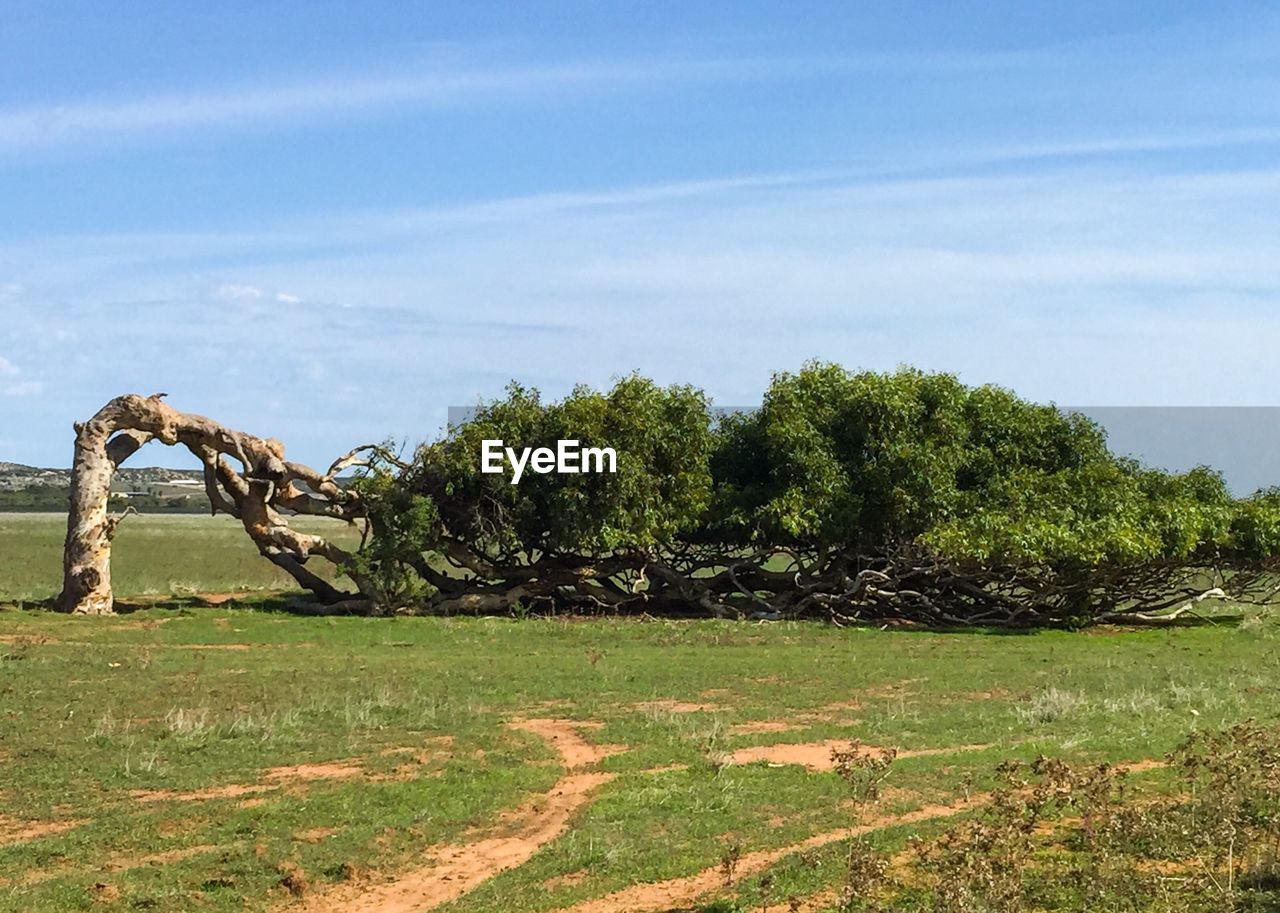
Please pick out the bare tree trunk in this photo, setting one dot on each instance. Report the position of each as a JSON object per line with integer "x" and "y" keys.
{"x": 253, "y": 492}
{"x": 86, "y": 556}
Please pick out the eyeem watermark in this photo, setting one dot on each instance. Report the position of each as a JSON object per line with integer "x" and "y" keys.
{"x": 568, "y": 459}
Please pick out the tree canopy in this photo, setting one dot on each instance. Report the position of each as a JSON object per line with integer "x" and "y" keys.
{"x": 850, "y": 496}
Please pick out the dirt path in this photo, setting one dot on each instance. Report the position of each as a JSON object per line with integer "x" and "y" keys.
{"x": 818, "y": 755}
{"x": 14, "y": 831}
{"x": 456, "y": 869}
{"x": 676, "y": 893}
{"x": 275, "y": 778}
{"x": 566, "y": 737}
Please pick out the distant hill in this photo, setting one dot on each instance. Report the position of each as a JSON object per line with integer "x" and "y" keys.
{"x": 16, "y": 475}
{"x": 147, "y": 488}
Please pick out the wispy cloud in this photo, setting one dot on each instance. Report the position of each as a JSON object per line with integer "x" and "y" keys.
{"x": 434, "y": 85}
{"x": 23, "y": 388}
{"x": 1085, "y": 284}
{"x": 958, "y": 183}
{"x": 462, "y": 78}
{"x": 1109, "y": 146}
{"x": 247, "y": 105}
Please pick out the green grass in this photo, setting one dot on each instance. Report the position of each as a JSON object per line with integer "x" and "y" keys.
{"x": 92, "y": 710}
{"x": 152, "y": 554}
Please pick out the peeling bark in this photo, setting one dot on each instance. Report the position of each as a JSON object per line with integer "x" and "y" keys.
{"x": 245, "y": 476}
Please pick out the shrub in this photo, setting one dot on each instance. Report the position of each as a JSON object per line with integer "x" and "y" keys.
{"x": 1057, "y": 836}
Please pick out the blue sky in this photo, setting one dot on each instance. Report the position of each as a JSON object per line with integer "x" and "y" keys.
{"x": 328, "y": 222}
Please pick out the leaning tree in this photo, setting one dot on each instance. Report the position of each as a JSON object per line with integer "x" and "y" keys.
{"x": 245, "y": 476}
{"x": 849, "y": 497}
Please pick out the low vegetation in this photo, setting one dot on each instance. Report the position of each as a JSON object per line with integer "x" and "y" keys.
{"x": 220, "y": 759}
{"x": 1055, "y": 836}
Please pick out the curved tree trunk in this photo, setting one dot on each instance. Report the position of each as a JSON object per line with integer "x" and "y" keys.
{"x": 245, "y": 476}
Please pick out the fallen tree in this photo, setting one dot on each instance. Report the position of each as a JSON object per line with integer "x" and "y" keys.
{"x": 852, "y": 498}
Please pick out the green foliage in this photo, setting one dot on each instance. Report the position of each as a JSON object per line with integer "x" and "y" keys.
{"x": 868, "y": 459}
{"x": 662, "y": 437}
{"x": 993, "y": 502}
{"x": 1108, "y": 511}
{"x": 402, "y": 525}
{"x": 1255, "y": 526}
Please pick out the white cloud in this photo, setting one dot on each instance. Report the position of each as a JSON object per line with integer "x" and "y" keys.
{"x": 24, "y": 388}
{"x": 286, "y": 298}
{"x": 236, "y": 292}
{"x": 8, "y": 368}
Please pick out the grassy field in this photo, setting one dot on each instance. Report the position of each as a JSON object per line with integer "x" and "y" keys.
{"x": 238, "y": 758}
{"x": 152, "y": 554}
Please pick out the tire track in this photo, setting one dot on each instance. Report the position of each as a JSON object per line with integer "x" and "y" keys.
{"x": 678, "y": 892}
{"x": 456, "y": 869}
